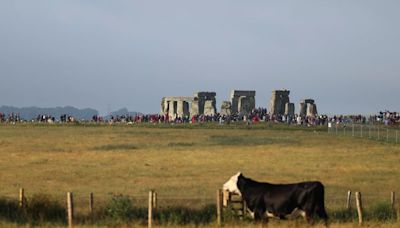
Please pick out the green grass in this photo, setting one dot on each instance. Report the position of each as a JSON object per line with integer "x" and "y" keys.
{"x": 185, "y": 163}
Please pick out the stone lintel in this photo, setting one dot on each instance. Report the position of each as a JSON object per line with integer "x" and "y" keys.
{"x": 188, "y": 99}
{"x": 280, "y": 92}
{"x": 308, "y": 101}
{"x": 243, "y": 93}
{"x": 205, "y": 94}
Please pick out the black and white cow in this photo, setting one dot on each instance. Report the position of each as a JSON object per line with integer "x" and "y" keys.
{"x": 279, "y": 200}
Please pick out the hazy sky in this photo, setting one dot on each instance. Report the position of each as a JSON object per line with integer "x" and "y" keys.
{"x": 112, "y": 54}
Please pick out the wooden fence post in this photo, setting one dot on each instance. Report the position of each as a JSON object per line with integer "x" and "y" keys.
{"x": 393, "y": 200}
{"x": 154, "y": 200}
{"x": 225, "y": 198}
{"x": 22, "y": 198}
{"x": 348, "y": 200}
{"x": 359, "y": 207}
{"x": 91, "y": 203}
{"x": 150, "y": 211}
{"x": 70, "y": 205}
{"x": 219, "y": 207}
{"x": 361, "y": 131}
{"x": 353, "y": 131}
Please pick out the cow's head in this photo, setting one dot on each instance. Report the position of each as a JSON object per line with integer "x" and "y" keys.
{"x": 231, "y": 184}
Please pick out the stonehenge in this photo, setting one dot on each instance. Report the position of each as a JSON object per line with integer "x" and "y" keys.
{"x": 241, "y": 102}
{"x": 280, "y": 104}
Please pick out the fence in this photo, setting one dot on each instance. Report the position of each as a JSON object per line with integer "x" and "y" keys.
{"x": 156, "y": 210}
{"x": 227, "y": 200}
{"x": 372, "y": 132}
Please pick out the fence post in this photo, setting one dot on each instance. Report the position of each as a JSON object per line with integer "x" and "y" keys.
{"x": 22, "y": 199}
{"x": 359, "y": 207}
{"x": 378, "y": 134}
{"x": 70, "y": 205}
{"x": 91, "y": 203}
{"x": 344, "y": 130}
{"x": 369, "y": 131}
{"x": 393, "y": 200}
{"x": 225, "y": 198}
{"x": 219, "y": 207}
{"x": 396, "y": 136}
{"x": 154, "y": 200}
{"x": 361, "y": 131}
{"x": 336, "y": 127}
{"x": 387, "y": 134}
{"x": 348, "y": 200}
{"x": 150, "y": 209}
{"x": 244, "y": 208}
{"x": 353, "y": 131}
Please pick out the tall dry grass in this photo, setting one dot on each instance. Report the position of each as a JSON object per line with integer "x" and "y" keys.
{"x": 186, "y": 164}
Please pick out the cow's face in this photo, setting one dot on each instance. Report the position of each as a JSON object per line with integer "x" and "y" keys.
{"x": 231, "y": 184}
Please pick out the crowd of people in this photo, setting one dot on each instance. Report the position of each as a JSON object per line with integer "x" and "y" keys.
{"x": 45, "y": 119}
{"x": 11, "y": 117}
{"x": 384, "y": 117}
{"x": 255, "y": 116}
{"x": 387, "y": 117}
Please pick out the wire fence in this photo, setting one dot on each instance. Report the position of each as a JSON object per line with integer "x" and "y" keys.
{"x": 372, "y": 132}
{"x": 85, "y": 209}
{"x": 83, "y": 201}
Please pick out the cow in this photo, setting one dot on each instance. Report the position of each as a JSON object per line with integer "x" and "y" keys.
{"x": 279, "y": 200}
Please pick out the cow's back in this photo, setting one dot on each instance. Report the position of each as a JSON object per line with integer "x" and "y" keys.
{"x": 284, "y": 198}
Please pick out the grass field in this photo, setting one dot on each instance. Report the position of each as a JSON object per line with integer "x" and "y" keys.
{"x": 186, "y": 165}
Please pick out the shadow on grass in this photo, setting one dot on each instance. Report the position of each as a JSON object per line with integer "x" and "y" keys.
{"x": 180, "y": 144}
{"x": 110, "y": 147}
{"x": 250, "y": 140}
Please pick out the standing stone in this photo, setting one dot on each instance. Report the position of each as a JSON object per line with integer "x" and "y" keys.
{"x": 195, "y": 110}
{"x": 303, "y": 109}
{"x": 226, "y": 108}
{"x": 289, "y": 109}
{"x": 182, "y": 108}
{"x": 244, "y": 105}
{"x": 173, "y": 106}
{"x": 311, "y": 110}
{"x": 278, "y": 102}
{"x": 209, "y": 108}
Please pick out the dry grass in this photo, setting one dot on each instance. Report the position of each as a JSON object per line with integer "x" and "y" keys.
{"x": 186, "y": 166}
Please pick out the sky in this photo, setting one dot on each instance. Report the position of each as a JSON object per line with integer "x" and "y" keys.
{"x": 112, "y": 54}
